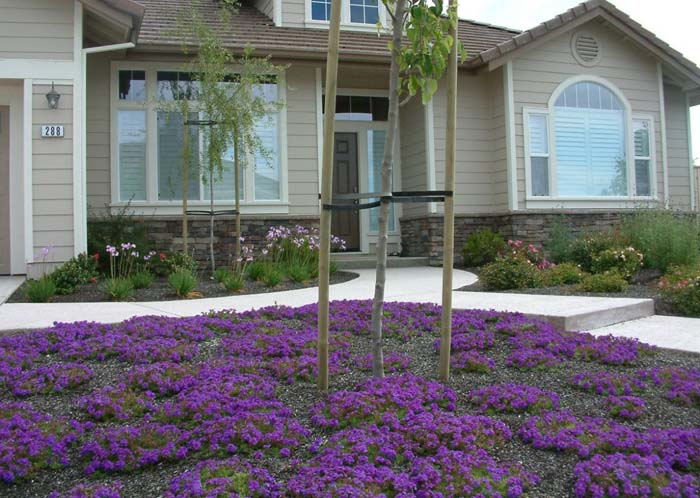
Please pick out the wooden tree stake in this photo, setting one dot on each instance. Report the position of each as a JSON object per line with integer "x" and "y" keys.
{"x": 449, "y": 220}
{"x": 327, "y": 193}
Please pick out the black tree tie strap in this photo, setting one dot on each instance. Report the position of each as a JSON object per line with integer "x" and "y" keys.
{"x": 390, "y": 197}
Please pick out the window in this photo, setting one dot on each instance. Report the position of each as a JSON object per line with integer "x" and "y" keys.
{"x": 538, "y": 125}
{"x": 320, "y": 10}
{"x": 360, "y": 108}
{"x": 589, "y": 136}
{"x": 364, "y": 11}
{"x": 581, "y": 147}
{"x": 354, "y": 14}
{"x": 642, "y": 157}
{"x": 131, "y": 132}
{"x": 149, "y": 163}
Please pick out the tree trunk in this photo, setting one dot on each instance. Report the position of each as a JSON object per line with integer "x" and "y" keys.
{"x": 211, "y": 221}
{"x": 326, "y": 194}
{"x": 449, "y": 221}
{"x": 384, "y": 212}
{"x": 185, "y": 181}
{"x": 236, "y": 165}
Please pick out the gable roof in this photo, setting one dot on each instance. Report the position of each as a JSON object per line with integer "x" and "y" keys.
{"x": 250, "y": 26}
{"x": 578, "y": 15}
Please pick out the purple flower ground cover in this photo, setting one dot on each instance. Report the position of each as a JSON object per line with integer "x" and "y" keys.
{"x": 226, "y": 405}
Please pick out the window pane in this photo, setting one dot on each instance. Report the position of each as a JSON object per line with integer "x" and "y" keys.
{"x": 357, "y": 14}
{"x": 539, "y": 167}
{"x": 643, "y": 177}
{"x": 224, "y": 180}
{"x": 375, "y": 144}
{"x": 132, "y": 155}
{"x": 174, "y": 85}
{"x": 364, "y": 11}
{"x": 589, "y": 95}
{"x": 267, "y": 169}
{"x": 380, "y": 109}
{"x": 320, "y": 10}
{"x": 539, "y": 142}
{"x": 170, "y": 157}
{"x": 132, "y": 85}
{"x": 641, "y": 139}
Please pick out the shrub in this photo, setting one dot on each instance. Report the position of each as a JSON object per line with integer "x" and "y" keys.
{"x": 563, "y": 274}
{"x": 510, "y": 273}
{"x": 142, "y": 280}
{"x": 298, "y": 274}
{"x": 118, "y": 289}
{"x": 604, "y": 282}
{"x": 105, "y": 229}
{"x": 627, "y": 262}
{"x": 681, "y": 287}
{"x": 272, "y": 276}
{"x": 528, "y": 252}
{"x": 559, "y": 243}
{"x": 482, "y": 248}
{"x": 583, "y": 249}
{"x": 666, "y": 239}
{"x": 77, "y": 271}
{"x": 183, "y": 282}
{"x": 233, "y": 282}
{"x": 40, "y": 291}
{"x": 256, "y": 270}
{"x": 175, "y": 262}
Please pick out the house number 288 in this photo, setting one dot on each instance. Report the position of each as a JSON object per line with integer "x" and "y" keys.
{"x": 51, "y": 131}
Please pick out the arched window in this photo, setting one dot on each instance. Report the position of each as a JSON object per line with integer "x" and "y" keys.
{"x": 582, "y": 146}
{"x": 589, "y": 126}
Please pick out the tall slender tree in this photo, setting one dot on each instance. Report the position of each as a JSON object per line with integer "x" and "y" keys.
{"x": 422, "y": 39}
{"x": 232, "y": 97}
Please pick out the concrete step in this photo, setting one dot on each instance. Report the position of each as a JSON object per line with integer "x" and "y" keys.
{"x": 565, "y": 312}
{"x": 369, "y": 261}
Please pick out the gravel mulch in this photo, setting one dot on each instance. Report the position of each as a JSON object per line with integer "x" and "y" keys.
{"x": 555, "y": 469}
{"x": 160, "y": 290}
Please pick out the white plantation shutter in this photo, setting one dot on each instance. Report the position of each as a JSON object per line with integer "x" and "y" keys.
{"x": 132, "y": 155}
{"x": 170, "y": 157}
{"x": 267, "y": 169}
{"x": 590, "y": 143}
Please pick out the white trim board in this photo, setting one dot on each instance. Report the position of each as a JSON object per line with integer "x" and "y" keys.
{"x": 664, "y": 143}
{"x": 79, "y": 136}
{"x": 511, "y": 151}
{"x": 27, "y": 159}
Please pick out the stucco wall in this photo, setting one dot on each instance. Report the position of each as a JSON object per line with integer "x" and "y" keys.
{"x": 36, "y": 29}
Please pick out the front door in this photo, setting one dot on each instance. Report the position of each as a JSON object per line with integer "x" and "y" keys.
{"x": 4, "y": 190}
{"x": 346, "y": 224}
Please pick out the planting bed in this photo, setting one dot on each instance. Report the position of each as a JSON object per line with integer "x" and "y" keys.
{"x": 160, "y": 290}
{"x": 226, "y": 405}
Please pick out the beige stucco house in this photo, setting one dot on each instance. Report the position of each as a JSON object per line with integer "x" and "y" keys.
{"x": 585, "y": 115}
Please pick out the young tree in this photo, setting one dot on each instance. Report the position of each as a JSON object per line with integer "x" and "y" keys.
{"x": 416, "y": 66}
{"x": 232, "y": 99}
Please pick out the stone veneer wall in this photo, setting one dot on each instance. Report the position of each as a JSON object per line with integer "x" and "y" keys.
{"x": 165, "y": 232}
{"x": 422, "y": 236}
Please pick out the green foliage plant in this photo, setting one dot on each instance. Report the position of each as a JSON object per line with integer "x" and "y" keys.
{"x": 233, "y": 282}
{"x": 510, "y": 273}
{"x": 107, "y": 226}
{"x": 256, "y": 270}
{"x": 79, "y": 270}
{"x": 272, "y": 276}
{"x": 563, "y": 274}
{"x": 183, "y": 282}
{"x": 119, "y": 288}
{"x": 681, "y": 288}
{"x": 482, "y": 247}
{"x": 41, "y": 290}
{"x": 626, "y": 261}
{"x": 559, "y": 242}
{"x": 585, "y": 248}
{"x": 142, "y": 279}
{"x": 299, "y": 274}
{"x": 609, "y": 282}
{"x": 664, "y": 237}
{"x": 221, "y": 274}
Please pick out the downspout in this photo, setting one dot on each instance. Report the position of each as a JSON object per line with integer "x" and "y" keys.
{"x": 83, "y": 76}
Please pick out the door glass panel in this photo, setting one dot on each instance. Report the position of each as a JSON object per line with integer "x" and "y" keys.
{"x": 375, "y": 149}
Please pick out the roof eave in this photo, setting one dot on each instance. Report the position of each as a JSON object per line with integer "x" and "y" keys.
{"x": 127, "y": 14}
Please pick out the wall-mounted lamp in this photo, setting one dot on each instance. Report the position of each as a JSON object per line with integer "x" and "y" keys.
{"x": 53, "y": 97}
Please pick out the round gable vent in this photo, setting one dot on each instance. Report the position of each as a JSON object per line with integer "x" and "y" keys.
{"x": 586, "y": 49}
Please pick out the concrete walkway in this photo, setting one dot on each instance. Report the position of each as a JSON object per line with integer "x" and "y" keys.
{"x": 422, "y": 284}
{"x": 8, "y": 286}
